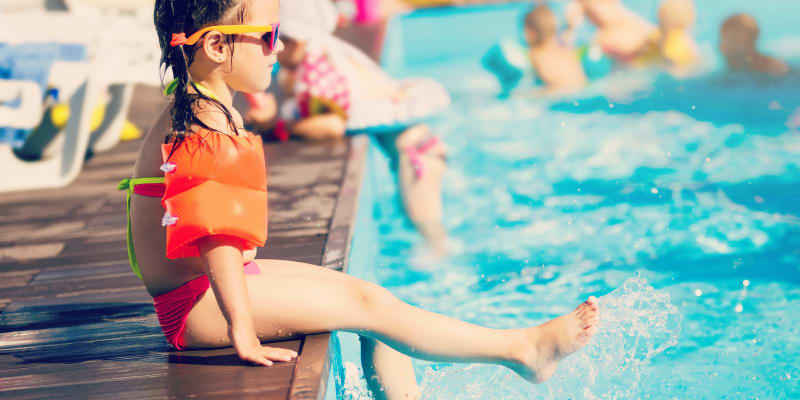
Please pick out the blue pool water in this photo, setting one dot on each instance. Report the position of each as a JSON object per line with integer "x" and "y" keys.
{"x": 677, "y": 201}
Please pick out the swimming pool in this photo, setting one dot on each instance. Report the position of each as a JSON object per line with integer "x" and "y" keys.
{"x": 678, "y": 201}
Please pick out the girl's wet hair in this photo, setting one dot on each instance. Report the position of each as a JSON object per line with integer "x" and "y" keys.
{"x": 189, "y": 16}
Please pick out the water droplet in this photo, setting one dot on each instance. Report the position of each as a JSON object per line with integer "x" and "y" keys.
{"x": 610, "y": 105}
{"x": 745, "y": 283}
{"x": 708, "y": 159}
{"x": 168, "y": 167}
{"x": 698, "y": 292}
{"x": 654, "y": 190}
{"x": 168, "y": 219}
{"x": 738, "y": 308}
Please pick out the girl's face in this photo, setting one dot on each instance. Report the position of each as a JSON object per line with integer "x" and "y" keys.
{"x": 252, "y": 62}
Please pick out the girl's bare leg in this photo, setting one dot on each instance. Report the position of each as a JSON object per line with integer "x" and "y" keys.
{"x": 422, "y": 197}
{"x": 389, "y": 373}
{"x": 286, "y": 304}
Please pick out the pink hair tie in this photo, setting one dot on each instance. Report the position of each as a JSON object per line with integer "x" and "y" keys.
{"x": 178, "y": 39}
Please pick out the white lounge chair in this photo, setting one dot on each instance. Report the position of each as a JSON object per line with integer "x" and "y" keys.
{"x": 108, "y": 134}
{"x": 73, "y": 80}
{"x": 118, "y": 35}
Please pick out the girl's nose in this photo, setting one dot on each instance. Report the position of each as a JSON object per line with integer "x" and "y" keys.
{"x": 278, "y": 46}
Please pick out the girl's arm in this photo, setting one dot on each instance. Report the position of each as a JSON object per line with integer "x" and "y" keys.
{"x": 317, "y": 127}
{"x": 223, "y": 263}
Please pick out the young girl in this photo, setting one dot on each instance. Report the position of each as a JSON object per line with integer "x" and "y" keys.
{"x": 330, "y": 88}
{"x": 208, "y": 289}
{"x": 556, "y": 65}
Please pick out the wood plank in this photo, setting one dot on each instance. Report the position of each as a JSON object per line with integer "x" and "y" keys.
{"x": 311, "y": 374}
{"x": 98, "y": 299}
{"x": 64, "y": 287}
{"x": 138, "y": 323}
{"x": 138, "y": 357}
{"x": 340, "y": 233}
{"x": 110, "y": 255}
{"x": 69, "y": 314}
{"x": 168, "y": 378}
{"x": 82, "y": 272}
{"x": 17, "y": 278}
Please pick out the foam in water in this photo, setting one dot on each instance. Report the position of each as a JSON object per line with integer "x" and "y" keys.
{"x": 354, "y": 386}
{"x": 638, "y": 322}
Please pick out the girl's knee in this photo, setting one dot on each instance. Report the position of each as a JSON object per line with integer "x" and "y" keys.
{"x": 372, "y": 297}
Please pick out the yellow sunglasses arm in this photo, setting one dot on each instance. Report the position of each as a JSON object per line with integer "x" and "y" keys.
{"x": 228, "y": 30}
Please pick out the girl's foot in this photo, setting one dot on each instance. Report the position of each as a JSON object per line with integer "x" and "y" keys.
{"x": 549, "y": 343}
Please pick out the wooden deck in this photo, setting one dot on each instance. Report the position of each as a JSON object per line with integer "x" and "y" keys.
{"x": 75, "y": 322}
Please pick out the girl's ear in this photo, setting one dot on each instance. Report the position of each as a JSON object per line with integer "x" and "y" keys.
{"x": 215, "y": 47}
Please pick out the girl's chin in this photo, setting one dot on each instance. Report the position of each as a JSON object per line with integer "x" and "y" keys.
{"x": 260, "y": 87}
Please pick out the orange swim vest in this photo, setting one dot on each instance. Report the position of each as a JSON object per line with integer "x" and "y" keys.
{"x": 216, "y": 184}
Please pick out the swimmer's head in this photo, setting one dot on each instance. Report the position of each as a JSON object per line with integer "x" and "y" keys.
{"x": 738, "y": 35}
{"x": 540, "y": 25}
{"x": 289, "y": 60}
{"x": 676, "y": 15}
{"x": 293, "y": 52}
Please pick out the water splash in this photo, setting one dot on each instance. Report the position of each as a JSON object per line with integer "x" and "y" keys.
{"x": 354, "y": 386}
{"x": 638, "y": 322}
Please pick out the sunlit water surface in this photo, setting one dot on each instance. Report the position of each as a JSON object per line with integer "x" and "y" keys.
{"x": 676, "y": 201}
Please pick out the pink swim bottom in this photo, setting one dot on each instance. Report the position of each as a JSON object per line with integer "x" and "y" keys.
{"x": 173, "y": 307}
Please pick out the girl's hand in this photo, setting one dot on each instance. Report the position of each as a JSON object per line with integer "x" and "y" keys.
{"x": 250, "y": 350}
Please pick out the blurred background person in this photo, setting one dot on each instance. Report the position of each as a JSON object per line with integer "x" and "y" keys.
{"x": 737, "y": 43}
{"x": 621, "y": 33}
{"x": 676, "y": 46}
{"x": 556, "y": 65}
{"x": 331, "y": 89}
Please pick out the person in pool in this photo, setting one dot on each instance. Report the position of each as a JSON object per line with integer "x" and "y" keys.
{"x": 419, "y": 156}
{"x": 737, "y": 43}
{"x": 634, "y": 42}
{"x": 675, "y": 46}
{"x": 197, "y": 206}
{"x": 321, "y": 101}
{"x": 555, "y": 64}
{"x": 621, "y": 33}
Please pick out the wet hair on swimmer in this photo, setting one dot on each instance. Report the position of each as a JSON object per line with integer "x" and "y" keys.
{"x": 543, "y": 22}
{"x": 189, "y": 16}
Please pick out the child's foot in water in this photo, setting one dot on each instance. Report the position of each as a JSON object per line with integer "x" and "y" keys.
{"x": 550, "y": 342}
